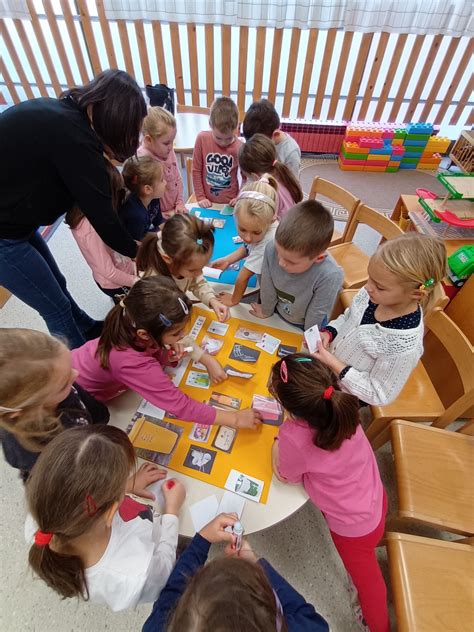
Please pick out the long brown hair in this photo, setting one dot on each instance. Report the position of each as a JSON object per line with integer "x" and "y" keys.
{"x": 299, "y": 387}
{"x": 182, "y": 237}
{"x": 154, "y": 304}
{"x": 26, "y": 363}
{"x": 77, "y": 478}
{"x": 258, "y": 155}
{"x": 139, "y": 171}
{"x": 227, "y": 595}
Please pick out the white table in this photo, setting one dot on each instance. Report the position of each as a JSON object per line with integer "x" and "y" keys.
{"x": 188, "y": 126}
{"x": 283, "y": 500}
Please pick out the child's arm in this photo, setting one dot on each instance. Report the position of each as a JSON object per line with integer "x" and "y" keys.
{"x": 224, "y": 262}
{"x": 197, "y": 173}
{"x": 276, "y": 461}
{"x": 179, "y": 204}
{"x": 324, "y": 297}
{"x": 204, "y": 292}
{"x": 288, "y": 459}
{"x": 268, "y": 295}
{"x": 239, "y": 288}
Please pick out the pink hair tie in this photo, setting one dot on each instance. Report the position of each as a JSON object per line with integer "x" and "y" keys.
{"x": 274, "y": 163}
{"x": 42, "y": 538}
{"x": 328, "y": 392}
{"x": 284, "y": 372}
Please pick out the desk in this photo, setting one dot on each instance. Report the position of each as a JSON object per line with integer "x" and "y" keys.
{"x": 283, "y": 500}
{"x": 188, "y": 126}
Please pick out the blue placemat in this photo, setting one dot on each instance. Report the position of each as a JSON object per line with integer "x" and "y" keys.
{"x": 224, "y": 245}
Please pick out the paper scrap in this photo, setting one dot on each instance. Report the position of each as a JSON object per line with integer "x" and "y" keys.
{"x": 204, "y": 511}
{"x": 231, "y": 503}
{"x": 214, "y": 273}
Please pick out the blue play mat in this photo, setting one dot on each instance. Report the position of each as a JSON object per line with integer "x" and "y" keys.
{"x": 224, "y": 245}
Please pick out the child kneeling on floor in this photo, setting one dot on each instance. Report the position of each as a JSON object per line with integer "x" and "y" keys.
{"x": 323, "y": 446}
{"x": 82, "y": 546}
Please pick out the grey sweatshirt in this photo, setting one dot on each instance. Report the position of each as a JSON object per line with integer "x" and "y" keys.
{"x": 302, "y": 299}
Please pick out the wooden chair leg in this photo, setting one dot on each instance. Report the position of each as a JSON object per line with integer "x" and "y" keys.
{"x": 381, "y": 439}
{"x": 376, "y": 427}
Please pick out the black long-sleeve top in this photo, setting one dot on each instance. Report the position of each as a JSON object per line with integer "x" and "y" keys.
{"x": 50, "y": 160}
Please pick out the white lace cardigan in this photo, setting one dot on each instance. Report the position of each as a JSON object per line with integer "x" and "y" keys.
{"x": 381, "y": 359}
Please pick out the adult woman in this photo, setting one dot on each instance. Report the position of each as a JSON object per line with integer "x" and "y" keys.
{"x": 54, "y": 156}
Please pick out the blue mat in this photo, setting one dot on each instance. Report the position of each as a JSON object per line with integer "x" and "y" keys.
{"x": 224, "y": 245}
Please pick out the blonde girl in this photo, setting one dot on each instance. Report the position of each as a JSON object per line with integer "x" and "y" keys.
{"x": 258, "y": 156}
{"x": 180, "y": 251}
{"x": 141, "y": 210}
{"x": 142, "y": 335}
{"x": 377, "y": 342}
{"x": 86, "y": 541}
{"x": 159, "y": 132}
{"x": 38, "y": 395}
{"x": 255, "y": 217}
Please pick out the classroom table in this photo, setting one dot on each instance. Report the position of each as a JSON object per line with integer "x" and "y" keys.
{"x": 283, "y": 499}
{"x": 188, "y": 126}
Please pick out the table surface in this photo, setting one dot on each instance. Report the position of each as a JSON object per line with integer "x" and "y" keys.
{"x": 188, "y": 126}
{"x": 283, "y": 499}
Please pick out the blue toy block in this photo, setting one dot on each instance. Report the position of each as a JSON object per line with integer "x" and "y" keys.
{"x": 384, "y": 150}
{"x": 395, "y": 158}
{"x": 413, "y": 154}
{"x": 419, "y": 128}
{"x": 415, "y": 143}
{"x": 407, "y": 165}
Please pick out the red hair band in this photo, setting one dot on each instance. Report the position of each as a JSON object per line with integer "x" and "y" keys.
{"x": 284, "y": 372}
{"x": 90, "y": 506}
{"x": 42, "y": 538}
{"x": 274, "y": 163}
{"x": 328, "y": 392}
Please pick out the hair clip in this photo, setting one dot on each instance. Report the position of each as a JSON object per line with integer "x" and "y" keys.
{"x": 303, "y": 359}
{"x": 428, "y": 283}
{"x": 90, "y": 506}
{"x": 328, "y": 392}
{"x": 42, "y": 538}
{"x": 5, "y": 409}
{"x": 284, "y": 372}
{"x": 254, "y": 195}
{"x": 199, "y": 242}
{"x": 165, "y": 321}
{"x": 274, "y": 163}
{"x": 184, "y": 307}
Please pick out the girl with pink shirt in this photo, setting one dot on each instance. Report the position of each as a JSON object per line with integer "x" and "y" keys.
{"x": 159, "y": 132}
{"x": 323, "y": 446}
{"x": 141, "y": 335}
{"x": 257, "y": 157}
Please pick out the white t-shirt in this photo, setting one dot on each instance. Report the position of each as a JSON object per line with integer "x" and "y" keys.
{"x": 254, "y": 260}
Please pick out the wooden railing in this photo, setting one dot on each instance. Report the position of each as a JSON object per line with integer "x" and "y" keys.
{"x": 307, "y": 73}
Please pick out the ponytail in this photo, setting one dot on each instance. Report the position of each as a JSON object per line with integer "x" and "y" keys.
{"x": 288, "y": 180}
{"x": 149, "y": 260}
{"x": 63, "y": 573}
{"x": 309, "y": 390}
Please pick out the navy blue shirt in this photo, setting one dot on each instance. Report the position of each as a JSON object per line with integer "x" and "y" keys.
{"x": 138, "y": 219}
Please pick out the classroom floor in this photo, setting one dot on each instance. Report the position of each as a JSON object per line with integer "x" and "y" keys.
{"x": 300, "y": 547}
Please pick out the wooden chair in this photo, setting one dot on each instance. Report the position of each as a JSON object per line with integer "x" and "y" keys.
{"x": 435, "y": 476}
{"x": 425, "y": 396}
{"x": 189, "y": 181}
{"x": 191, "y": 109}
{"x": 336, "y": 194}
{"x": 432, "y": 583}
{"x": 352, "y": 259}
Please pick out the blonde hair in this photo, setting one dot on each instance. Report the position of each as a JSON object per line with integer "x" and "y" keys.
{"x": 141, "y": 171}
{"x": 262, "y": 205}
{"x": 157, "y": 122}
{"x": 26, "y": 363}
{"x": 224, "y": 115}
{"x": 418, "y": 260}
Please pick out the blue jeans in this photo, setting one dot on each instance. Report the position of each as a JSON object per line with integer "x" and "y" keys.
{"x": 29, "y": 271}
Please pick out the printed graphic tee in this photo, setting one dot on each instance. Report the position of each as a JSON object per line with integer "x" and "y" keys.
{"x": 215, "y": 169}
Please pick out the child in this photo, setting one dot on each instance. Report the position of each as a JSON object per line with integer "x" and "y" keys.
{"x": 238, "y": 592}
{"x": 114, "y": 273}
{"x": 256, "y": 224}
{"x": 85, "y": 545}
{"x": 378, "y": 341}
{"x": 262, "y": 118}
{"x": 140, "y": 336}
{"x": 258, "y": 156}
{"x": 300, "y": 281}
{"x": 39, "y": 395}
{"x": 159, "y": 132}
{"x": 180, "y": 251}
{"x": 215, "y": 161}
{"x": 140, "y": 213}
{"x": 323, "y": 446}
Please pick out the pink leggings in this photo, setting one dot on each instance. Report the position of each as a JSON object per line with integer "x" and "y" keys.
{"x": 358, "y": 556}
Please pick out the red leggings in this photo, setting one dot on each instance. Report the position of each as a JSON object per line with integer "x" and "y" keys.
{"x": 358, "y": 556}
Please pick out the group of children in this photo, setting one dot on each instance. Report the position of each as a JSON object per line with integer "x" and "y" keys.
{"x": 89, "y": 537}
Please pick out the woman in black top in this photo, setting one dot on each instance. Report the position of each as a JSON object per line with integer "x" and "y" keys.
{"x": 53, "y": 157}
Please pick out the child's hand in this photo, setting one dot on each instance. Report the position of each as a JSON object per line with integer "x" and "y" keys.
{"x": 227, "y": 299}
{"x": 245, "y": 552}
{"x": 257, "y": 311}
{"x": 221, "y": 264}
{"x": 147, "y": 474}
{"x": 248, "y": 418}
{"x": 167, "y": 214}
{"x": 174, "y": 493}
{"x": 181, "y": 209}
{"x": 222, "y": 312}
{"x": 214, "y": 368}
{"x": 325, "y": 338}
{"x": 205, "y": 203}
{"x": 215, "y": 530}
{"x": 327, "y": 358}
{"x": 176, "y": 352}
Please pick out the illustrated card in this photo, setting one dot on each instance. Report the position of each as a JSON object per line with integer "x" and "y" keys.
{"x": 271, "y": 411}
{"x": 200, "y": 459}
{"x": 284, "y": 350}
{"x": 198, "y": 379}
{"x": 244, "y": 333}
{"x": 312, "y": 336}
{"x": 234, "y": 266}
{"x": 219, "y": 400}
{"x": 268, "y": 343}
{"x": 200, "y": 432}
{"x": 246, "y": 486}
{"x": 218, "y": 328}
{"x": 218, "y": 223}
{"x": 232, "y": 372}
{"x": 244, "y": 354}
{"x": 211, "y": 345}
{"x": 237, "y": 239}
{"x": 224, "y": 439}
{"x": 227, "y": 210}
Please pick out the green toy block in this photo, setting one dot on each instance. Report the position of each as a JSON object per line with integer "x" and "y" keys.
{"x": 351, "y": 156}
{"x": 418, "y": 137}
{"x": 391, "y": 169}
{"x": 400, "y": 133}
{"x": 413, "y": 161}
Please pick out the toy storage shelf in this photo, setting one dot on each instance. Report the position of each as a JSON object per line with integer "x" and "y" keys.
{"x": 462, "y": 154}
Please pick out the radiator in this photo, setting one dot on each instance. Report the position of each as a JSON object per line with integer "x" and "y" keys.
{"x": 316, "y": 136}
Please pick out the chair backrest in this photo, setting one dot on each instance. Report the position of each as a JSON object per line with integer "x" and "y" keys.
{"x": 337, "y": 194}
{"x": 376, "y": 220}
{"x": 189, "y": 176}
{"x": 191, "y": 109}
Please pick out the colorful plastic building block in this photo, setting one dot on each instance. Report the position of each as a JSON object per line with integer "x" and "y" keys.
{"x": 419, "y": 128}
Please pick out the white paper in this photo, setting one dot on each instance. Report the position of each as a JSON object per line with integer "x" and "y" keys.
{"x": 204, "y": 511}
{"x": 157, "y": 490}
{"x": 312, "y": 336}
{"x": 231, "y": 503}
{"x": 214, "y": 273}
{"x": 268, "y": 343}
{"x": 145, "y": 408}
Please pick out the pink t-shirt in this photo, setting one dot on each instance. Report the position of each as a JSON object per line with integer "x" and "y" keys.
{"x": 142, "y": 372}
{"x": 344, "y": 484}
{"x": 284, "y": 201}
{"x": 173, "y": 194}
{"x": 215, "y": 169}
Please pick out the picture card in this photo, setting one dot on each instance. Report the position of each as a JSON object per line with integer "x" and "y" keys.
{"x": 200, "y": 432}
{"x": 237, "y": 239}
{"x": 218, "y": 223}
{"x": 312, "y": 336}
{"x": 197, "y": 214}
{"x": 269, "y": 343}
{"x": 200, "y": 459}
{"x": 224, "y": 439}
{"x": 226, "y": 401}
{"x": 231, "y": 372}
{"x": 284, "y": 350}
{"x": 214, "y": 273}
{"x": 198, "y": 379}
{"x": 218, "y": 328}
{"x": 244, "y": 354}
{"x": 246, "y": 486}
{"x": 244, "y": 333}
{"x": 272, "y": 413}
{"x": 211, "y": 345}
{"x": 227, "y": 210}
{"x": 204, "y": 511}
{"x": 231, "y": 503}
{"x": 234, "y": 266}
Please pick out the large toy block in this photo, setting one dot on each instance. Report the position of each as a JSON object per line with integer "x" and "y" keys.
{"x": 438, "y": 143}
{"x": 390, "y": 169}
{"x": 427, "y": 157}
{"x": 410, "y": 160}
{"x": 414, "y": 143}
{"x": 419, "y": 128}
{"x": 399, "y": 132}
{"x": 413, "y": 154}
{"x": 387, "y": 133}
{"x": 397, "y": 141}
{"x": 418, "y": 136}
{"x": 376, "y": 163}
{"x": 350, "y": 167}
{"x": 378, "y": 157}
{"x": 407, "y": 166}
{"x": 394, "y": 163}
{"x": 427, "y": 165}
{"x": 349, "y": 161}
{"x": 379, "y": 150}
{"x": 398, "y": 150}
{"x": 353, "y": 148}
{"x": 372, "y": 143}
{"x": 371, "y": 168}
{"x": 352, "y": 156}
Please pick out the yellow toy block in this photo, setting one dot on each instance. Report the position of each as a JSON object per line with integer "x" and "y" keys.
{"x": 353, "y": 148}
{"x": 397, "y": 141}
{"x": 350, "y": 167}
{"x": 367, "y": 168}
{"x": 378, "y": 157}
{"x": 427, "y": 165}
{"x": 393, "y": 163}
